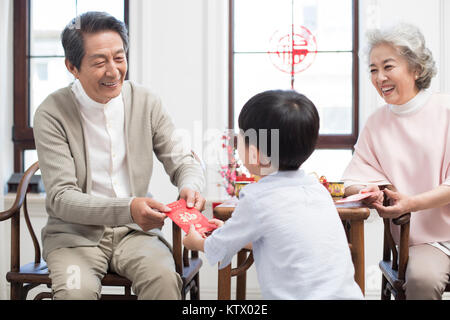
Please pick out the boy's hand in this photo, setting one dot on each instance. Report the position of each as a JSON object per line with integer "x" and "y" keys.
{"x": 373, "y": 200}
{"x": 193, "y": 240}
{"x": 217, "y": 222}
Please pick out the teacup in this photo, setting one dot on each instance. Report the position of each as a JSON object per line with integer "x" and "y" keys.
{"x": 336, "y": 189}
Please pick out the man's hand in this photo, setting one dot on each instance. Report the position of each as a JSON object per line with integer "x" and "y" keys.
{"x": 193, "y": 199}
{"x": 145, "y": 213}
{"x": 194, "y": 240}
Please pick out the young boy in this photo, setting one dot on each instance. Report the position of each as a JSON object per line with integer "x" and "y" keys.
{"x": 299, "y": 244}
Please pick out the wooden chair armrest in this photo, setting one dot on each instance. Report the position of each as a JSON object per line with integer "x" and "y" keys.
{"x": 20, "y": 194}
{"x": 5, "y": 215}
{"x": 14, "y": 214}
{"x": 402, "y": 219}
{"x": 389, "y": 245}
{"x": 404, "y": 244}
{"x": 244, "y": 266}
{"x": 177, "y": 248}
{"x": 400, "y": 257}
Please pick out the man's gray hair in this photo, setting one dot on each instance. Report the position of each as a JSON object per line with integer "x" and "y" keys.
{"x": 410, "y": 43}
{"x": 89, "y": 22}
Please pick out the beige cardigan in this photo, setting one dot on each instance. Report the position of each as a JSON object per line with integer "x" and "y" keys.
{"x": 77, "y": 218}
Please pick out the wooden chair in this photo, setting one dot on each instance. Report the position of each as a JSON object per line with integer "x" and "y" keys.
{"x": 395, "y": 258}
{"x": 26, "y": 277}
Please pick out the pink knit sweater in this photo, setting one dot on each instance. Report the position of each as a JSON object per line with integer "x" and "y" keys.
{"x": 408, "y": 146}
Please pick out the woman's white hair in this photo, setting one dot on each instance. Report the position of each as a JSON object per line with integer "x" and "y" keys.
{"x": 410, "y": 43}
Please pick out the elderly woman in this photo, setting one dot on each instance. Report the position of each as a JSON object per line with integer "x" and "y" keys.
{"x": 406, "y": 143}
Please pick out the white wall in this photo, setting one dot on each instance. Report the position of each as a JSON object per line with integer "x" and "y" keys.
{"x": 444, "y": 66}
{"x": 6, "y": 147}
{"x": 181, "y": 55}
{"x": 6, "y": 93}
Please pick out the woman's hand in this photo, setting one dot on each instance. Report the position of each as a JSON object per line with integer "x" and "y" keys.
{"x": 376, "y": 199}
{"x": 401, "y": 204}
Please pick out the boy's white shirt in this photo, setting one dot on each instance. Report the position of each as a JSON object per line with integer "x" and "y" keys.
{"x": 104, "y": 124}
{"x": 299, "y": 244}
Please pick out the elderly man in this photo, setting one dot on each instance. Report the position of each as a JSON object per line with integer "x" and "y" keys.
{"x": 95, "y": 141}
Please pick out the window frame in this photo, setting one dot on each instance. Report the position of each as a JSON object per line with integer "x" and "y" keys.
{"x": 325, "y": 141}
{"x": 22, "y": 133}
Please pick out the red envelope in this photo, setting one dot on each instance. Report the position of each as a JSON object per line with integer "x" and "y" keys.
{"x": 184, "y": 217}
{"x": 356, "y": 197}
{"x": 353, "y": 201}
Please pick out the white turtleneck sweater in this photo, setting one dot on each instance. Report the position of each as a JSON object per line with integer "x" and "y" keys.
{"x": 412, "y": 105}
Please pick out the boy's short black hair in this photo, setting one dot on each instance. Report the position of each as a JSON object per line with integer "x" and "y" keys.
{"x": 293, "y": 114}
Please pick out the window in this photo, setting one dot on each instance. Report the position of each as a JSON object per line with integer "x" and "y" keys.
{"x": 39, "y": 60}
{"x": 307, "y": 45}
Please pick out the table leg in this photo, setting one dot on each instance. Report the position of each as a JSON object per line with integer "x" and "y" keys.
{"x": 242, "y": 278}
{"x": 224, "y": 287}
{"x": 357, "y": 241}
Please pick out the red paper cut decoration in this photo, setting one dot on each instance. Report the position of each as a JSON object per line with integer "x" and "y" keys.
{"x": 293, "y": 51}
